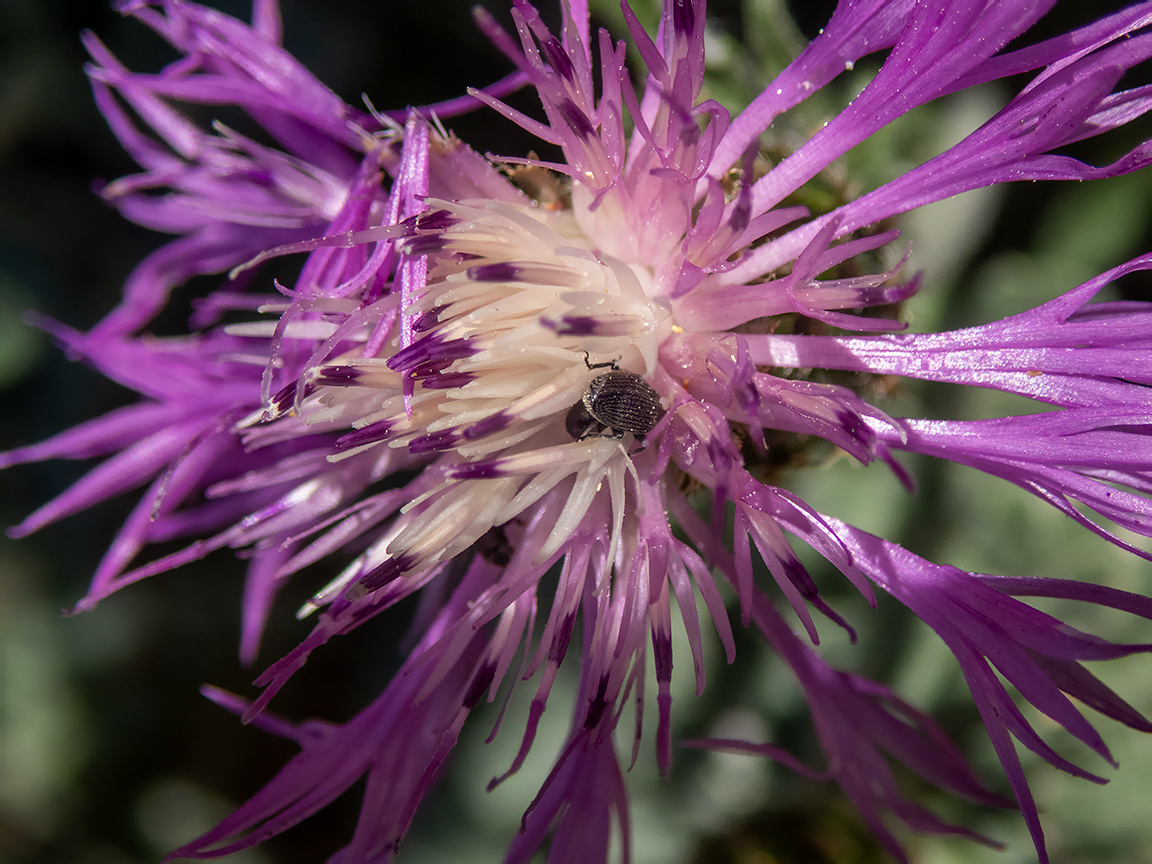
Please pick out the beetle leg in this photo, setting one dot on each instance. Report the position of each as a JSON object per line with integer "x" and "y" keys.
{"x": 611, "y": 364}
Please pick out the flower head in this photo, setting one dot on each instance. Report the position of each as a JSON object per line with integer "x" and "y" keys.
{"x": 494, "y": 369}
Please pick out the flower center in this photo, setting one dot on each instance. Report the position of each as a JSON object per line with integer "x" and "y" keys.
{"x": 520, "y": 322}
{"x": 517, "y": 313}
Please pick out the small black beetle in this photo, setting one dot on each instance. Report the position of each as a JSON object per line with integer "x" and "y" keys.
{"x": 493, "y": 547}
{"x": 619, "y": 400}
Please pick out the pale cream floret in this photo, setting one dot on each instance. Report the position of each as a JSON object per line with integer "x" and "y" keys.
{"x": 521, "y": 369}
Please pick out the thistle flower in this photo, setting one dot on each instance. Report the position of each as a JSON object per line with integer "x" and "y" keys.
{"x": 493, "y": 369}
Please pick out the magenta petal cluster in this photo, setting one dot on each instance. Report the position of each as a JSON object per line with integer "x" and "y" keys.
{"x": 541, "y": 396}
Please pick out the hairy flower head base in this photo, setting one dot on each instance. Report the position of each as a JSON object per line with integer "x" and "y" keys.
{"x": 411, "y": 396}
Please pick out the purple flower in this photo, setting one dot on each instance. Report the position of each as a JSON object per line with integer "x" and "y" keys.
{"x": 426, "y": 403}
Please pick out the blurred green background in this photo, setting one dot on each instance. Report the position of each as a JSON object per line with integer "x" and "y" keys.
{"x": 109, "y": 756}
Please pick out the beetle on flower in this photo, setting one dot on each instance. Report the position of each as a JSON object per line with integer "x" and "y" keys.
{"x": 411, "y": 395}
{"x": 617, "y": 400}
